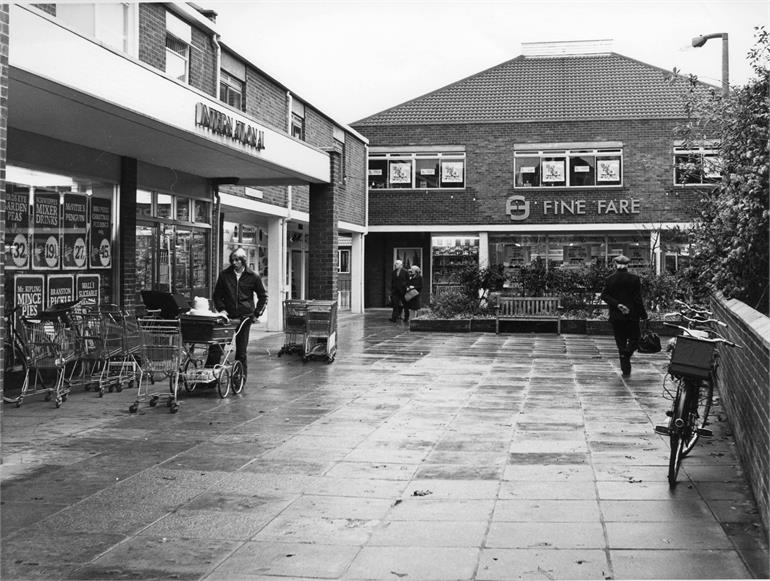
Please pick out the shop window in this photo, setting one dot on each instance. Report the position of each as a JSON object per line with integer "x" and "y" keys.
{"x": 409, "y": 170}
{"x": 164, "y": 206}
{"x": 183, "y": 210}
{"x": 696, "y": 165}
{"x": 568, "y": 168}
{"x": 109, "y": 23}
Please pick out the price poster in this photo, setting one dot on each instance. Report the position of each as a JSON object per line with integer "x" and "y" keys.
{"x": 74, "y": 217}
{"x": 61, "y": 289}
{"x": 87, "y": 287}
{"x": 101, "y": 233}
{"x": 28, "y": 290}
{"x": 46, "y": 222}
{"x": 17, "y": 249}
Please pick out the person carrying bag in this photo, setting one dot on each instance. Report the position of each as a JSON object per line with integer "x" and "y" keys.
{"x": 649, "y": 342}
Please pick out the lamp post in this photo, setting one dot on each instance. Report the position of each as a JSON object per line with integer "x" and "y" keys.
{"x": 699, "y": 41}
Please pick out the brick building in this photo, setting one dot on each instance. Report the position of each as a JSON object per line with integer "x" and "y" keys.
{"x": 565, "y": 154}
{"x": 142, "y": 148}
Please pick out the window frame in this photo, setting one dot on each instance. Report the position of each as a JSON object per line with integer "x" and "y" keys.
{"x": 231, "y": 85}
{"x": 410, "y": 167}
{"x": 561, "y": 165}
{"x": 702, "y": 152}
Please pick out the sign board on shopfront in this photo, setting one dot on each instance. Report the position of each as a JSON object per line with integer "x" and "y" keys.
{"x": 61, "y": 289}
{"x": 74, "y": 228}
{"x": 45, "y": 231}
{"x": 87, "y": 287}
{"x": 17, "y": 249}
{"x": 101, "y": 233}
{"x": 29, "y": 290}
{"x": 222, "y": 124}
{"x": 519, "y": 208}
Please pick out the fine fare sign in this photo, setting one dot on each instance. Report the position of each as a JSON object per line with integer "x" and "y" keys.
{"x": 519, "y": 208}
{"x": 222, "y": 124}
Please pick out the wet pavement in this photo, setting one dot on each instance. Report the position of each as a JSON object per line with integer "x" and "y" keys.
{"x": 413, "y": 455}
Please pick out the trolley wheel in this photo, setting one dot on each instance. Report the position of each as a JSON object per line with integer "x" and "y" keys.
{"x": 133, "y": 408}
{"x": 237, "y": 380}
{"x": 64, "y": 396}
{"x": 101, "y": 392}
{"x": 119, "y": 388}
{"x": 330, "y": 359}
{"x": 111, "y": 388}
{"x": 222, "y": 380}
{"x": 154, "y": 401}
{"x": 58, "y": 402}
{"x": 131, "y": 384}
{"x": 19, "y": 402}
{"x": 48, "y": 396}
{"x": 174, "y": 407}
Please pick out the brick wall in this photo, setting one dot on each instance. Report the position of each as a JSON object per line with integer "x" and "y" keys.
{"x": 152, "y": 35}
{"x": 647, "y": 166}
{"x": 4, "y": 31}
{"x": 203, "y": 63}
{"x": 265, "y": 100}
{"x": 744, "y": 380}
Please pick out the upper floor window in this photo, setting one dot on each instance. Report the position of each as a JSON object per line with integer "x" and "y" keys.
{"x": 416, "y": 170}
{"x": 696, "y": 165}
{"x": 232, "y": 81}
{"x": 568, "y": 168}
{"x": 231, "y": 90}
{"x": 109, "y": 23}
{"x": 298, "y": 119}
{"x": 178, "y": 40}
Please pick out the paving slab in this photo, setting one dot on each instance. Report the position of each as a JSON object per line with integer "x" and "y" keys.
{"x": 423, "y": 456}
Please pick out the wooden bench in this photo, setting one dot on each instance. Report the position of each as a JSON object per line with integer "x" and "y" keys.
{"x": 528, "y": 309}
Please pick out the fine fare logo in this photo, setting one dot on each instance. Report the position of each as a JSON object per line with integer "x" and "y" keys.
{"x": 519, "y": 208}
{"x": 223, "y": 124}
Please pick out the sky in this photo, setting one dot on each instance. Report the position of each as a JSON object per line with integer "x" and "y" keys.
{"x": 351, "y": 59}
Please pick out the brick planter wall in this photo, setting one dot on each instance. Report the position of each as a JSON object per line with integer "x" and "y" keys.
{"x": 744, "y": 380}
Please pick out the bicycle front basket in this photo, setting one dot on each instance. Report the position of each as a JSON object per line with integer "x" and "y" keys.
{"x": 692, "y": 357}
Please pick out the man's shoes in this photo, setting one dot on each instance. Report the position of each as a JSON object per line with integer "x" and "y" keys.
{"x": 392, "y": 319}
{"x": 625, "y": 366}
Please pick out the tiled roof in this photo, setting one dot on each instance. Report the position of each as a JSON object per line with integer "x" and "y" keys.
{"x": 562, "y": 88}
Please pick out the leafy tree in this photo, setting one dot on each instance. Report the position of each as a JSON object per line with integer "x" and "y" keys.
{"x": 730, "y": 237}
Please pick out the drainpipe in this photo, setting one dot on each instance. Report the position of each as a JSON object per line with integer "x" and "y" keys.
{"x": 289, "y": 104}
{"x": 218, "y": 72}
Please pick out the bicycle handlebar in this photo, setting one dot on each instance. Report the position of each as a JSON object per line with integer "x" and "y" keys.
{"x": 694, "y": 335}
{"x": 693, "y": 309}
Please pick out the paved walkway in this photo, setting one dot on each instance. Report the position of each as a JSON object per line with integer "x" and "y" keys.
{"x": 413, "y": 456}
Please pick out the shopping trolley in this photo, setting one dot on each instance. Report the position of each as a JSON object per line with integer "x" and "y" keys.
{"x": 321, "y": 332}
{"x": 160, "y": 354}
{"x": 294, "y": 326}
{"x": 50, "y": 349}
{"x": 98, "y": 334}
{"x": 207, "y": 338}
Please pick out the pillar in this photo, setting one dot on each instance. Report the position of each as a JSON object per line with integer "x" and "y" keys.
{"x": 357, "y": 274}
{"x": 276, "y": 280}
{"x": 126, "y": 233}
{"x": 323, "y": 234}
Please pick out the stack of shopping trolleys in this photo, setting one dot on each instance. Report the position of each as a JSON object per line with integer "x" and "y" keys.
{"x": 310, "y": 328}
{"x": 77, "y": 344}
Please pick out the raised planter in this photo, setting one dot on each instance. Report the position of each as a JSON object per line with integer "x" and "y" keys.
{"x": 568, "y": 326}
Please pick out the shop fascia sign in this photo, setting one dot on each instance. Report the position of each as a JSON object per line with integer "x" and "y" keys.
{"x": 220, "y": 123}
{"x": 519, "y": 208}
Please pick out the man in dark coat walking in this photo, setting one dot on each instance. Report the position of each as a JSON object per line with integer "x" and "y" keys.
{"x": 234, "y": 293}
{"x": 623, "y": 293}
{"x": 398, "y": 280}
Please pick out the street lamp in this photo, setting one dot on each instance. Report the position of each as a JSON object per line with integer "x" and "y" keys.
{"x": 699, "y": 41}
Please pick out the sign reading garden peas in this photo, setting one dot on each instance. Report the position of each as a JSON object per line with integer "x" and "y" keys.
{"x": 101, "y": 233}
{"x": 75, "y": 215}
{"x": 17, "y": 251}
{"x": 46, "y": 251}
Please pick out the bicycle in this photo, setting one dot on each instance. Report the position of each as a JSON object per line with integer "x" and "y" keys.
{"x": 692, "y": 370}
{"x": 14, "y": 350}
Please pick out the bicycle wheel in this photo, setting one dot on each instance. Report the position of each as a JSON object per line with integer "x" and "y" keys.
{"x": 702, "y": 396}
{"x": 678, "y": 431}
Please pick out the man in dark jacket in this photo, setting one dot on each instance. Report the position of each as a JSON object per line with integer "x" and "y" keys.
{"x": 234, "y": 293}
{"x": 623, "y": 293}
{"x": 398, "y": 281}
